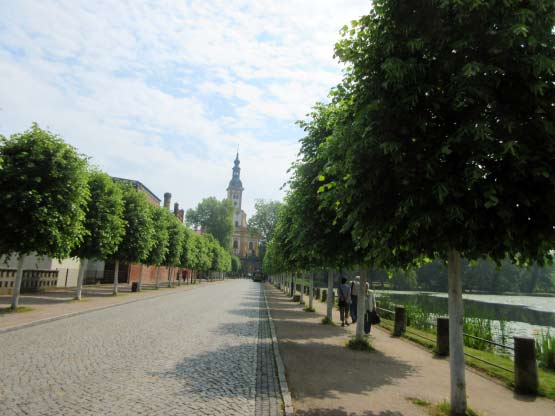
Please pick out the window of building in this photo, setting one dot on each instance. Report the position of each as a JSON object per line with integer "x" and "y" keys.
{"x": 237, "y": 223}
{"x": 235, "y": 244}
{"x": 251, "y": 245}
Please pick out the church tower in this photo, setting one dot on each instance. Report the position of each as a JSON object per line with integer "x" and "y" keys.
{"x": 235, "y": 192}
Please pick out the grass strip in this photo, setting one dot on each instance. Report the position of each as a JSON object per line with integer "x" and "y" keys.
{"x": 546, "y": 378}
{"x": 20, "y": 309}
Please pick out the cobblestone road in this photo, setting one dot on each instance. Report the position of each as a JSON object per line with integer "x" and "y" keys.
{"x": 192, "y": 353}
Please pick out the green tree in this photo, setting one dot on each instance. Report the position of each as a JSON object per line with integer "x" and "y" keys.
{"x": 104, "y": 223}
{"x": 265, "y": 218}
{"x": 450, "y": 143}
{"x": 43, "y": 197}
{"x": 214, "y": 217}
{"x": 236, "y": 265}
{"x": 139, "y": 230}
{"x": 185, "y": 260}
{"x": 176, "y": 232}
{"x": 160, "y": 241}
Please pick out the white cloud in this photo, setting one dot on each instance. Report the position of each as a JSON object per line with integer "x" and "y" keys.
{"x": 164, "y": 91}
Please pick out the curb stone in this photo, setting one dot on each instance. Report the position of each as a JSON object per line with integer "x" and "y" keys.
{"x": 285, "y": 394}
{"x": 72, "y": 314}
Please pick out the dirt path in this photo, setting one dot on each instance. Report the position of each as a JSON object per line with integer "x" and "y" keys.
{"x": 327, "y": 379}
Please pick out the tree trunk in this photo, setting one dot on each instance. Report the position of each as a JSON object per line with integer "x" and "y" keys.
{"x": 18, "y": 280}
{"x": 311, "y": 292}
{"x": 157, "y": 277}
{"x": 80, "y": 278}
{"x": 140, "y": 284}
{"x": 456, "y": 351}
{"x": 170, "y": 270}
{"x": 361, "y": 303}
{"x": 301, "y": 297}
{"x": 116, "y": 277}
{"x": 329, "y": 309}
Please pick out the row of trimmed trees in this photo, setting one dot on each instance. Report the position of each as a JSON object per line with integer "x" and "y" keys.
{"x": 438, "y": 144}
{"x": 55, "y": 204}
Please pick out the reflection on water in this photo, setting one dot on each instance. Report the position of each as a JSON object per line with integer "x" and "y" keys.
{"x": 525, "y": 314}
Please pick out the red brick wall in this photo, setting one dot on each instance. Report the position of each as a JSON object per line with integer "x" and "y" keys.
{"x": 149, "y": 273}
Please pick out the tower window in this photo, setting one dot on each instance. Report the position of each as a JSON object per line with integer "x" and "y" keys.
{"x": 251, "y": 246}
{"x": 235, "y": 244}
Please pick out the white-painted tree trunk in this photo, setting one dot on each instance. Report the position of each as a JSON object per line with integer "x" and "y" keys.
{"x": 361, "y": 303}
{"x": 456, "y": 351}
{"x": 301, "y": 297}
{"x": 311, "y": 293}
{"x": 158, "y": 277}
{"x": 116, "y": 277}
{"x": 329, "y": 300}
{"x": 80, "y": 278}
{"x": 170, "y": 270}
{"x": 140, "y": 284}
{"x": 18, "y": 280}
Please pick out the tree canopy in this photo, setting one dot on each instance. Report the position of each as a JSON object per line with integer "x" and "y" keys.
{"x": 214, "y": 217}
{"x": 44, "y": 194}
{"x": 139, "y": 229}
{"x": 104, "y": 223}
{"x": 264, "y": 220}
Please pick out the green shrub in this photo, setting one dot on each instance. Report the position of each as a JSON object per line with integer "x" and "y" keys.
{"x": 359, "y": 344}
{"x": 481, "y": 328}
{"x": 545, "y": 350}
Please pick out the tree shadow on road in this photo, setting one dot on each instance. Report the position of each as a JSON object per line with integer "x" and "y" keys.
{"x": 323, "y": 370}
{"x": 228, "y": 371}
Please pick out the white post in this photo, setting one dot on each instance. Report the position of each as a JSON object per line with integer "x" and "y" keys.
{"x": 311, "y": 292}
{"x": 329, "y": 300}
{"x": 157, "y": 277}
{"x": 361, "y": 303}
{"x": 18, "y": 280}
{"x": 80, "y": 278}
{"x": 116, "y": 276}
{"x": 140, "y": 284}
{"x": 301, "y": 298}
{"x": 170, "y": 269}
{"x": 456, "y": 350}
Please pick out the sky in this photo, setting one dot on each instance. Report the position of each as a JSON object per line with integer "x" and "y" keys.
{"x": 165, "y": 92}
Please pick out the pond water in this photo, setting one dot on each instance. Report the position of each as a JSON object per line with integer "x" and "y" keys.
{"x": 524, "y": 315}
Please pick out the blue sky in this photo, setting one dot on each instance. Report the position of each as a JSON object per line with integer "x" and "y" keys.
{"x": 165, "y": 91}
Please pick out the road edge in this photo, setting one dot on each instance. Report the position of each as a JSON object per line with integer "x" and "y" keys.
{"x": 284, "y": 387}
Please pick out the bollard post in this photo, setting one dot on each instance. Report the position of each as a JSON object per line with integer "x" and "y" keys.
{"x": 442, "y": 337}
{"x": 324, "y": 295}
{"x": 400, "y": 321}
{"x": 526, "y": 368}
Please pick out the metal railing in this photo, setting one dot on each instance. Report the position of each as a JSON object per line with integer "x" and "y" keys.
{"x": 497, "y": 344}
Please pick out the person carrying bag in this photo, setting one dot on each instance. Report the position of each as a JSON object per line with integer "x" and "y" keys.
{"x": 344, "y": 301}
{"x": 371, "y": 316}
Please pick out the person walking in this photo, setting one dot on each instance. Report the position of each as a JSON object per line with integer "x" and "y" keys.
{"x": 355, "y": 287}
{"x": 344, "y": 293}
{"x": 371, "y": 315}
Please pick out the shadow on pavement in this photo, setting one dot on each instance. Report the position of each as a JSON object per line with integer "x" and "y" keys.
{"x": 341, "y": 412}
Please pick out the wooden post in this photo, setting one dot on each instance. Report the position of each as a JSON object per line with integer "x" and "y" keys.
{"x": 442, "y": 337}
{"x": 400, "y": 321}
{"x": 526, "y": 369}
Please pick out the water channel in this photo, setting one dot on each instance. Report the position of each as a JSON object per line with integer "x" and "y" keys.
{"x": 524, "y": 315}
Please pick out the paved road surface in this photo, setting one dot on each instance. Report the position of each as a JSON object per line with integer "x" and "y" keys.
{"x": 190, "y": 353}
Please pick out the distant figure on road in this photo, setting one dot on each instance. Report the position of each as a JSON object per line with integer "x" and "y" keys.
{"x": 355, "y": 287}
{"x": 371, "y": 315}
{"x": 344, "y": 293}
